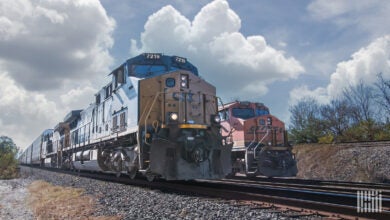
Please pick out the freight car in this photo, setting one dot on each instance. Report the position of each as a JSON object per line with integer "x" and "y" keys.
{"x": 155, "y": 116}
{"x": 260, "y": 140}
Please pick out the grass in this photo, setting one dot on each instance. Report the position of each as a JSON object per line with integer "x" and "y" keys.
{"x": 10, "y": 172}
{"x": 54, "y": 202}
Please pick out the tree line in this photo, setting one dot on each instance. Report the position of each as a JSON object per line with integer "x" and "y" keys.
{"x": 8, "y": 161}
{"x": 360, "y": 113}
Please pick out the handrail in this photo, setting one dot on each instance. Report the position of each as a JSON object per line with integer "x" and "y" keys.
{"x": 254, "y": 151}
{"x": 254, "y": 138}
{"x": 150, "y": 110}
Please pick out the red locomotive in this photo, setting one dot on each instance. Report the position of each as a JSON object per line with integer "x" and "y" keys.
{"x": 260, "y": 140}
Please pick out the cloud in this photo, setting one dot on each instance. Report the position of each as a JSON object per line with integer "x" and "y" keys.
{"x": 43, "y": 43}
{"x": 320, "y": 94}
{"x": 78, "y": 97}
{"x": 23, "y": 114}
{"x": 237, "y": 65}
{"x": 364, "y": 65}
{"x": 368, "y": 15}
{"x": 52, "y": 56}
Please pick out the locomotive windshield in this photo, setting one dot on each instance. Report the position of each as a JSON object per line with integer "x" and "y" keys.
{"x": 243, "y": 113}
{"x": 147, "y": 70}
{"x": 260, "y": 112}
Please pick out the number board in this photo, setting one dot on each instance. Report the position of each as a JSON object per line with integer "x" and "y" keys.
{"x": 180, "y": 59}
{"x": 153, "y": 56}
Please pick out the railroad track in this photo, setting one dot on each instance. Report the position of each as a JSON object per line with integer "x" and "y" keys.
{"x": 321, "y": 185}
{"x": 323, "y": 196}
{"x": 364, "y": 144}
{"x": 319, "y": 199}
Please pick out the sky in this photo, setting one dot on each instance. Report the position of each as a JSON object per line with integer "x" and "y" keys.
{"x": 56, "y": 54}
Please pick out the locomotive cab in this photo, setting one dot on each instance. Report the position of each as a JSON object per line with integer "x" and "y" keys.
{"x": 179, "y": 128}
{"x": 155, "y": 116}
{"x": 260, "y": 140}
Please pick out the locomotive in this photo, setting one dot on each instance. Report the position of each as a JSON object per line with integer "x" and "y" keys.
{"x": 260, "y": 140}
{"x": 155, "y": 117}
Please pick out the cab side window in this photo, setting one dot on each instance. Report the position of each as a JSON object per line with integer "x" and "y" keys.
{"x": 224, "y": 114}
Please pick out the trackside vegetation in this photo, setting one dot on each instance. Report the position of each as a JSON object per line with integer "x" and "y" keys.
{"x": 55, "y": 202}
{"x": 360, "y": 113}
{"x": 8, "y": 161}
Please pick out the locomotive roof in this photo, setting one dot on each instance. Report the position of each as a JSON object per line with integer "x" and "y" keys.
{"x": 170, "y": 63}
{"x": 72, "y": 115}
{"x": 247, "y": 103}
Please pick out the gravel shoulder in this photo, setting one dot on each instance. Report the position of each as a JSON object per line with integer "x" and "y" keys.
{"x": 340, "y": 163}
{"x": 130, "y": 202}
{"x": 13, "y": 199}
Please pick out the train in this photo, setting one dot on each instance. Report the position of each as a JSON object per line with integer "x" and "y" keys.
{"x": 260, "y": 141}
{"x": 155, "y": 117}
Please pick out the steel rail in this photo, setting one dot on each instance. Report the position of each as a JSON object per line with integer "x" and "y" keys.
{"x": 327, "y": 203}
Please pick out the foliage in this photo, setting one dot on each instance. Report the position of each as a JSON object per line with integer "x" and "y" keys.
{"x": 8, "y": 162}
{"x": 336, "y": 117}
{"x": 383, "y": 132}
{"x": 305, "y": 120}
{"x": 358, "y": 114}
{"x": 327, "y": 139}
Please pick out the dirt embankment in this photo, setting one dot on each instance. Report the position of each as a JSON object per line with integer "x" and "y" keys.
{"x": 340, "y": 163}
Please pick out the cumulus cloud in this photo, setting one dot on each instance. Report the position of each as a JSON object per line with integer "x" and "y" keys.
{"x": 43, "y": 43}
{"x": 78, "y": 97}
{"x": 237, "y": 65}
{"x": 296, "y": 94}
{"x": 364, "y": 66}
{"x": 23, "y": 114}
{"x": 52, "y": 56}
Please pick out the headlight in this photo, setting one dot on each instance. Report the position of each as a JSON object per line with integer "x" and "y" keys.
{"x": 184, "y": 81}
{"x": 269, "y": 121}
{"x": 217, "y": 119}
{"x": 173, "y": 116}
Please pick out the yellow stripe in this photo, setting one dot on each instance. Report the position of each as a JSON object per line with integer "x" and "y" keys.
{"x": 198, "y": 126}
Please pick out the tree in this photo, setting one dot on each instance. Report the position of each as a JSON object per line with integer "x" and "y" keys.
{"x": 383, "y": 97}
{"x": 336, "y": 118}
{"x": 8, "y": 162}
{"x": 305, "y": 121}
{"x": 361, "y": 99}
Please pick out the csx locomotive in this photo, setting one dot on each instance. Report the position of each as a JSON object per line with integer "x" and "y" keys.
{"x": 156, "y": 117}
{"x": 260, "y": 140}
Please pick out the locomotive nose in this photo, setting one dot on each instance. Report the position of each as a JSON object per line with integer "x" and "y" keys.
{"x": 194, "y": 149}
{"x": 198, "y": 155}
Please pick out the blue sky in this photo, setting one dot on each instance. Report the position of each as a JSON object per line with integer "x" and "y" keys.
{"x": 54, "y": 55}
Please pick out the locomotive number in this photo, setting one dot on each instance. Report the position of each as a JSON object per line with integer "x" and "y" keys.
{"x": 180, "y": 60}
{"x": 153, "y": 56}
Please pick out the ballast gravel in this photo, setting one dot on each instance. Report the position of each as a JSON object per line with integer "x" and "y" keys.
{"x": 13, "y": 199}
{"x": 132, "y": 202}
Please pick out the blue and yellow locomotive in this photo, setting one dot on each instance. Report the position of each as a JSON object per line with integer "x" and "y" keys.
{"x": 155, "y": 116}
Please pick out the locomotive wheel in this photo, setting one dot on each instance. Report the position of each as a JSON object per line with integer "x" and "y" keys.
{"x": 150, "y": 177}
{"x": 231, "y": 175}
{"x": 250, "y": 175}
{"x": 132, "y": 173}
